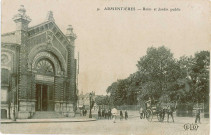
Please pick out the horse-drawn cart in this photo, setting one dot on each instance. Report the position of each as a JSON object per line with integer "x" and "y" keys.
{"x": 154, "y": 111}
{"x": 158, "y": 110}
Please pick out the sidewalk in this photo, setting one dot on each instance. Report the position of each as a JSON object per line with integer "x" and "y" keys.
{"x": 80, "y": 119}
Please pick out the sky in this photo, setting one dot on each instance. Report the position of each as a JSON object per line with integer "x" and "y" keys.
{"x": 110, "y": 43}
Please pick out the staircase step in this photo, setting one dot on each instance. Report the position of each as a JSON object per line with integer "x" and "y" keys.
{"x": 47, "y": 115}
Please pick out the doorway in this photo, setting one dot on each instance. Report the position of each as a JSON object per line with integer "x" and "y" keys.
{"x": 44, "y": 97}
{"x": 3, "y": 114}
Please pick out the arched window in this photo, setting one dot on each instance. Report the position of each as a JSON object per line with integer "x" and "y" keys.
{"x": 44, "y": 66}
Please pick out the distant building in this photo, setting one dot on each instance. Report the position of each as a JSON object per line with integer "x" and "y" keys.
{"x": 38, "y": 68}
{"x": 84, "y": 101}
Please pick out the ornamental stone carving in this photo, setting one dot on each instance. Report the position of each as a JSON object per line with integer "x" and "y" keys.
{"x": 49, "y": 38}
{"x": 48, "y": 56}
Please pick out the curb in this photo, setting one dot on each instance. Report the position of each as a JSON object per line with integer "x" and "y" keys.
{"x": 45, "y": 121}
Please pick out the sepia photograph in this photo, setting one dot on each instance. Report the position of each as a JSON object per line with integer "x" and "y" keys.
{"x": 106, "y": 67}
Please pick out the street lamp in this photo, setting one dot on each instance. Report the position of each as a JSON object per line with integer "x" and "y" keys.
{"x": 14, "y": 117}
{"x": 13, "y": 96}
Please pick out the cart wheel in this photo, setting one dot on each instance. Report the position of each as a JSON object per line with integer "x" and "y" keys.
{"x": 149, "y": 115}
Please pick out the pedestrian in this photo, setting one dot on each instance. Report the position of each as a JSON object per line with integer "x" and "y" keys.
{"x": 106, "y": 113}
{"x": 164, "y": 111}
{"x": 197, "y": 116}
{"x": 144, "y": 113}
{"x": 121, "y": 115}
{"x": 141, "y": 112}
{"x": 170, "y": 112}
{"x": 99, "y": 114}
{"x": 103, "y": 113}
{"x": 85, "y": 112}
{"x": 114, "y": 114}
{"x": 109, "y": 114}
{"x": 81, "y": 112}
{"x": 126, "y": 115}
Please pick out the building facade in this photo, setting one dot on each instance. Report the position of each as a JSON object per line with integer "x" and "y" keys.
{"x": 38, "y": 68}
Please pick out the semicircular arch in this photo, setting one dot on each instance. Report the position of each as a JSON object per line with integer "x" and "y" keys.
{"x": 52, "y": 50}
{"x": 46, "y": 55}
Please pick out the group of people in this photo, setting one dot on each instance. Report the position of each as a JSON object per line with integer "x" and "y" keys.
{"x": 115, "y": 113}
{"x": 104, "y": 113}
{"x": 121, "y": 115}
{"x": 108, "y": 114}
{"x": 84, "y": 112}
{"x": 167, "y": 110}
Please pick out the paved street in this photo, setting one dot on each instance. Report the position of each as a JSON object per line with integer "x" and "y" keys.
{"x": 131, "y": 126}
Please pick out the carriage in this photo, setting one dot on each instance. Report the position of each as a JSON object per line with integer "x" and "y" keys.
{"x": 157, "y": 110}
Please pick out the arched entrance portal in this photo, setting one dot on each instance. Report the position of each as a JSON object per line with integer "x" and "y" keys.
{"x": 44, "y": 85}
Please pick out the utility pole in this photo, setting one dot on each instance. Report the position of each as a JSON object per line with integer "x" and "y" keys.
{"x": 13, "y": 95}
{"x": 14, "y": 99}
{"x": 77, "y": 79}
{"x": 14, "y": 118}
{"x": 90, "y": 107}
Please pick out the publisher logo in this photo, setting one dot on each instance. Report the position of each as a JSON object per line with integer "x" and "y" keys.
{"x": 191, "y": 126}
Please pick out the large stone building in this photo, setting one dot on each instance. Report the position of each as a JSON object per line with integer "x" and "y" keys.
{"x": 38, "y": 68}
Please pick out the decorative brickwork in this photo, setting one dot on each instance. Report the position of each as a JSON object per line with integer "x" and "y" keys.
{"x": 59, "y": 88}
{"x": 37, "y": 86}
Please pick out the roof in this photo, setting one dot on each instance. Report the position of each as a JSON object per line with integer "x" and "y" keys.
{"x": 8, "y": 37}
{"x": 11, "y": 38}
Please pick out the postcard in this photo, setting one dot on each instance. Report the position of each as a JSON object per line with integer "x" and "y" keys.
{"x": 113, "y": 67}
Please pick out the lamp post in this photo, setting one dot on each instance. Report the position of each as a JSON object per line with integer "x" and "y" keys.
{"x": 13, "y": 96}
{"x": 14, "y": 117}
{"x": 90, "y": 108}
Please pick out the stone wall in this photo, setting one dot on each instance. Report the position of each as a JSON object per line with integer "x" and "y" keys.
{"x": 66, "y": 109}
{"x": 26, "y": 109}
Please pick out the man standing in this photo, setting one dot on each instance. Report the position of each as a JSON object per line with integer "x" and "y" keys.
{"x": 164, "y": 111}
{"x": 144, "y": 112}
{"x": 170, "y": 112}
{"x": 109, "y": 114}
{"x": 121, "y": 115}
{"x": 197, "y": 116}
{"x": 148, "y": 103}
{"x": 99, "y": 114}
{"x": 85, "y": 112}
{"x": 141, "y": 113}
{"x": 106, "y": 113}
{"x": 126, "y": 115}
{"x": 114, "y": 113}
{"x": 103, "y": 113}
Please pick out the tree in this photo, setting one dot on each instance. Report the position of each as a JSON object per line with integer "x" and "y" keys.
{"x": 162, "y": 71}
{"x": 200, "y": 76}
{"x": 102, "y": 100}
{"x": 162, "y": 77}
